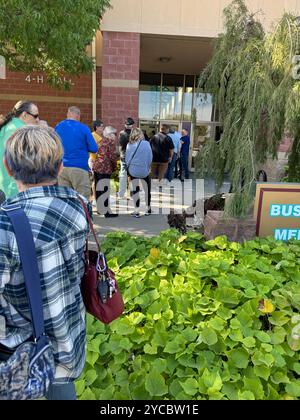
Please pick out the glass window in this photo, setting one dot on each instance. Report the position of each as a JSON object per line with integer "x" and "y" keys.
{"x": 188, "y": 98}
{"x": 204, "y": 106}
{"x": 172, "y": 97}
{"x": 149, "y": 96}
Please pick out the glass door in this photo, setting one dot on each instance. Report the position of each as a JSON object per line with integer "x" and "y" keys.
{"x": 175, "y": 125}
{"x": 150, "y": 128}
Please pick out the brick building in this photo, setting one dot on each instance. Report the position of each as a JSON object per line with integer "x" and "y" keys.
{"x": 149, "y": 54}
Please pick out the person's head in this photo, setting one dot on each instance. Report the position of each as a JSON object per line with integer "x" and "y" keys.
{"x": 171, "y": 130}
{"x": 136, "y": 135}
{"x": 33, "y": 156}
{"x": 184, "y": 132}
{"x": 26, "y": 111}
{"x": 73, "y": 113}
{"x": 164, "y": 128}
{"x": 110, "y": 132}
{"x": 98, "y": 127}
{"x": 129, "y": 123}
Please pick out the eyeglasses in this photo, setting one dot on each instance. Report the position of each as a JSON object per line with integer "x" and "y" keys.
{"x": 34, "y": 116}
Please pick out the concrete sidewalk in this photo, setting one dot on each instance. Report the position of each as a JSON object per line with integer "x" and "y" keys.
{"x": 176, "y": 195}
{"x": 145, "y": 226}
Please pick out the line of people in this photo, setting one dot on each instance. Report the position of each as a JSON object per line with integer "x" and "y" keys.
{"x": 37, "y": 162}
{"x": 90, "y": 159}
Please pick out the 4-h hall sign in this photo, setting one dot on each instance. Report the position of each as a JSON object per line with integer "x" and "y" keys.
{"x": 277, "y": 210}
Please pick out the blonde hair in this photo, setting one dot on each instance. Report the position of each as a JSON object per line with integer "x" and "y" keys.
{"x": 34, "y": 154}
{"x": 135, "y": 135}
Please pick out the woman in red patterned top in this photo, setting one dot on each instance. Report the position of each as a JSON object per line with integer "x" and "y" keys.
{"x": 104, "y": 166}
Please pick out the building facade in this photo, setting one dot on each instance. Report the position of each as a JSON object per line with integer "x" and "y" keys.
{"x": 149, "y": 54}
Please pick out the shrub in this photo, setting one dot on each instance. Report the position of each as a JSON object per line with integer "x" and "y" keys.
{"x": 204, "y": 320}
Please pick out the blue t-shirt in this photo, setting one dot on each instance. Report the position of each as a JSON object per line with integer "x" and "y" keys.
{"x": 185, "y": 147}
{"x": 77, "y": 142}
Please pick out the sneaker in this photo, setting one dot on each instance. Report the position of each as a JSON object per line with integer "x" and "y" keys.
{"x": 110, "y": 215}
{"x": 94, "y": 203}
{"x": 148, "y": 212}
{"x": 136, "y": 214}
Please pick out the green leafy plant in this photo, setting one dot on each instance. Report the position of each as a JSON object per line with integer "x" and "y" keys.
{"x": 204, "y": 320}
{"x": 50, "y": 36}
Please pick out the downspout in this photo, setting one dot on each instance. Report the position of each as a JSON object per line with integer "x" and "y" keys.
{"x": 94, "y": 80}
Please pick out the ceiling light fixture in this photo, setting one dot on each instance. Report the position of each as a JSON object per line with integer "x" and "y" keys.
{"x": 164, "y": 59}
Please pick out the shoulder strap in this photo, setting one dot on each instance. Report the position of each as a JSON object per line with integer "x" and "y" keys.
{"x": 87, "y": 215}
{"x": 31, "y": 273}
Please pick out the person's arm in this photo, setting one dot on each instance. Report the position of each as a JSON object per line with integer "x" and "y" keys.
{"x": 128, "y": 154}
{"x": 93, "y": 156}
{"x": 123, "y": 141}
{"x": 149, "y": 156}
{"x": 171, "y": 149}
{"x": 91, "y": 143}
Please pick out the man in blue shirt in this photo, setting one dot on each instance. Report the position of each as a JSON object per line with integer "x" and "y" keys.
{"x": 175, "y": 136}
{"x": 77, "y": 142}
{"x": 184, "y": 153}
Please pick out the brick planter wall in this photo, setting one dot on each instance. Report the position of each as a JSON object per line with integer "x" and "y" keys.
{"x": 237, "y": 230}
{"x": 120, "y": 77}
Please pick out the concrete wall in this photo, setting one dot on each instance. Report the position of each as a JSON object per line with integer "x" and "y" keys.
{"x": 201, "y": 18}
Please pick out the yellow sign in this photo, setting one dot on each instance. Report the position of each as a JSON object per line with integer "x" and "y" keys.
{"x": 277, "y": 210}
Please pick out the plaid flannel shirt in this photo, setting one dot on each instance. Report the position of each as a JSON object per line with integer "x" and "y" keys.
{"x": 60, "y": 230}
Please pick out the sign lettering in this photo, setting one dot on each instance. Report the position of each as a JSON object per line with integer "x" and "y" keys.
{"x": 277, "y": 210}
{"x": 40, "y": 79}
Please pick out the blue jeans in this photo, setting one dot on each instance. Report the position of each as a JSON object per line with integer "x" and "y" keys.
{"x": 170, "y": 171}
{"x": 63, "y": 391}
{"x": 185, "y": 165}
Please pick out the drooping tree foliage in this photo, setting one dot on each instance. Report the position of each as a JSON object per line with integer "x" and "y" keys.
{"x": 49, "y": 36}
{"x": 256, "y": 89}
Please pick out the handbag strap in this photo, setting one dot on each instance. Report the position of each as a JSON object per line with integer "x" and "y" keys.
{"x": 87, "y": 214}
{"x": 135, "y": 152}
{"x": 30, "y": 269}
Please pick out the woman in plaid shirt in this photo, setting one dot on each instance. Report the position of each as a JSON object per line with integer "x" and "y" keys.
{"x": 33, "y": 157}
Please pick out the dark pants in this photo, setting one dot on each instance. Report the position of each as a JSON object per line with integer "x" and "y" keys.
{"x": 146, "y": 183}
{"x": 63, "y": 391}
{"x": 178, "y": 168}
{"x": 102, "y": 187}
{"x": 184, "y": 157}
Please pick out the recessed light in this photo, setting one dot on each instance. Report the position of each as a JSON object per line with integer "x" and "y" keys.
{"x": 164, "y": 59}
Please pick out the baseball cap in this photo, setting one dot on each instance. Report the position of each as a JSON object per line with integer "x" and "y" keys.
{"x": 129, "y": 121}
